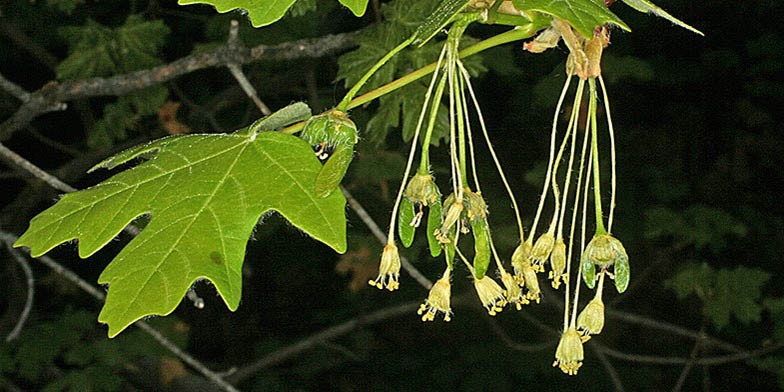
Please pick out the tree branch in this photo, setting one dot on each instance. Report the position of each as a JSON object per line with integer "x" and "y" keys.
{"x": 715, "y": 360}
{"x": 316, "y": 339}
{"x": 53, "y": 94}
{"x": 30, "y": 293}
{"x": 10, "y": 239}
{"x": 373, "y": 226}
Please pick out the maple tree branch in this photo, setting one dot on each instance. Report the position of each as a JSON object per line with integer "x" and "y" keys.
{"x": 10, "y": 239}
{"x": 322, "y": 336}
{"x": 14, "y": 89}
{"x": 382, "y": 238}
{"x": 714, "y": 360}
{"x": 52, "y": 96}
{"x": 30, "y": 293}
{"x": 236, "y": 72}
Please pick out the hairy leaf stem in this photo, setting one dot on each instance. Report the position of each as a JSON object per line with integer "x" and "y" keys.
{"x": 343, "y": 105}
{"x": 516, "y": 34}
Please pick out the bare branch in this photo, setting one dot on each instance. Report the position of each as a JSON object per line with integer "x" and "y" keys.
{"x": 323, "y": 336}
{"x": 371, "y": 224}
{"x": 616, "y": 379}
{"x": 30, "y": 293}
{"x": 664, "y": 326}
{"x": 236, "y": 71}
{"x": 51, "y": 96}
{"x": 14, "y": 89}
{"x": 509, "y": 342}
{"x": 715, "y": 360}
{"x": 692, "y": 359}
{"x": 36, "y": 171}
{"x": 9, "y": 239}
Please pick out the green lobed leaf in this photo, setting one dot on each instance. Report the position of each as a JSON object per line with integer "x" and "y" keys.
{"x": 726, "y": 292}
{"x": 358, "y": 7}
{"x": 97, "y": 50}
{"x": 205, "y": 194}
{"x": 583, "y": 15}
{"x": 648, "y": 7}
{"x": 260, "y": 12}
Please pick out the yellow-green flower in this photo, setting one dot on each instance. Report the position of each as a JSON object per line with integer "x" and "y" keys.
{"x": 520, "y": 260}
{"x": 490, "y": 294}
{"x": 591, "y": 319}
{"x": 438, "y": 300}
{"x": 558, "y": 263}
{"x": 569, "y": 354}
{"x": 389, "y": 270}
{"x": 514, "y": 293}
{"x": 604, "y": 250}
{"x": 531, "y": 283}
{"x": 422, "y": 189}
{"x": 541, "y": 251}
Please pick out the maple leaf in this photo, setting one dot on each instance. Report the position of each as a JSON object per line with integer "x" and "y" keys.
{"x": 265, "y": 12}
{"x": 205, "y": 194}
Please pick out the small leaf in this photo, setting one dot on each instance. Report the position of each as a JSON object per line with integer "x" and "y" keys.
{"x": 648, "y": 7}
{"x": 481, "y": 247}
{"x": 434, "y": 221}
{"x": 437, "y": 20}
{"x": 589, "y": 272}
{"x": 358, "y": 7}
{"x": 404, "y": 218}
{"x": 205, "y": 194}
{"x": 583, "y": 15}
{"x": 260, "y": 12}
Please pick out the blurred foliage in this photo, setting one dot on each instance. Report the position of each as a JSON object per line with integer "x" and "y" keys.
{"x": 699, "y": 157}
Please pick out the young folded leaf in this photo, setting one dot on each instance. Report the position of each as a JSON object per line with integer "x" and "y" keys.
{"x": 205, "y": 194}
{"x": 646, "y": 6}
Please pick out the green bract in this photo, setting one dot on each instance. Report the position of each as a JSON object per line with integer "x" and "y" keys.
{"x": 605, "y": 251}
{"x": 205, "y": 194}
{"x": 583, "y": 15}
{"x": 331, "y": 130}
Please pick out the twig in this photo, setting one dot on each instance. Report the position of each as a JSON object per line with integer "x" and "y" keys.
{"x": 53, "y": 143}
{"x": 616, "y": 379}
{"x": 236, "y": 71}
{"x": 692, "y": 359}
{"x": 36, "y": 171}
{"x": 9, "y": 239}
{"x": 509, "y": 342}
{"x": 53, "y": 181}
{"x": 371, "y": 224}
{"x": 51, "y": 96}
{"x": 30, "y": 293}
{"x": 315, "y": 339}
{"x": 715, "y": 360}
{"x": 664, "y": 326}
{"x": 14, "y": 89}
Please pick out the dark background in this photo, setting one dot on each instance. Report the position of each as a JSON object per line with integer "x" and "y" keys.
{"x": 698, "y": 122}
